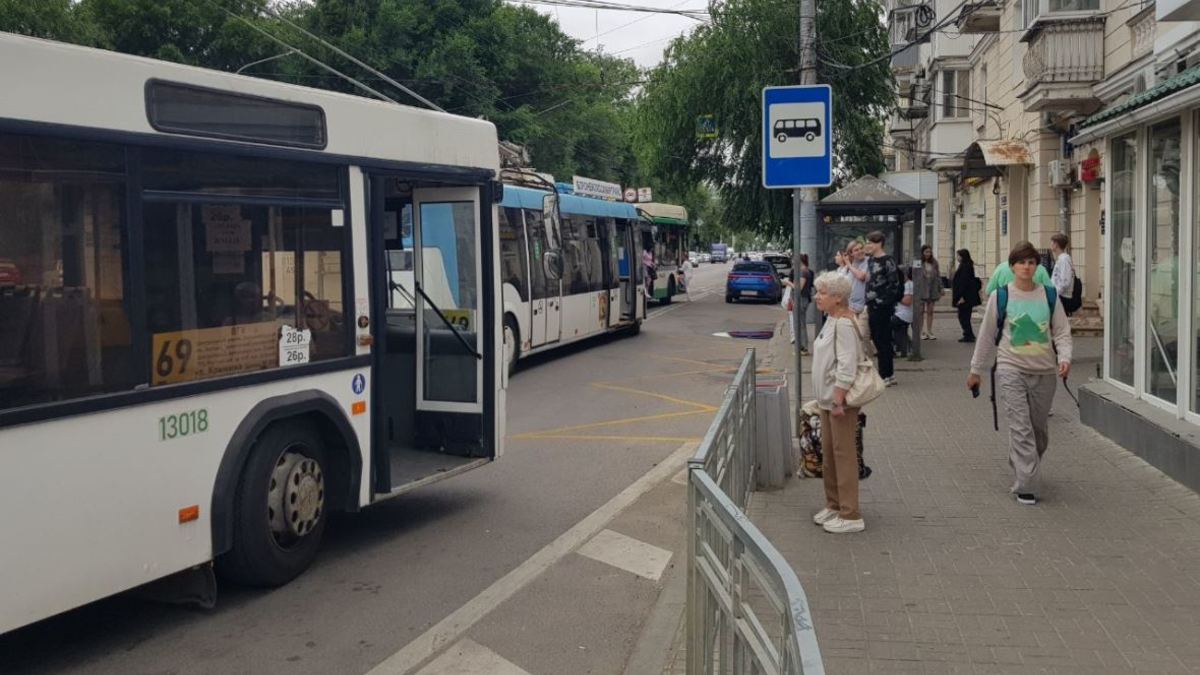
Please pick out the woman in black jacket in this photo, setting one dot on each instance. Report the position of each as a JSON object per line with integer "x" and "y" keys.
{"x": 965, "y": 293}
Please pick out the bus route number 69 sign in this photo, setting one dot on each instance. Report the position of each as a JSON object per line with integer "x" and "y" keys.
{"x": 797, "y": 136}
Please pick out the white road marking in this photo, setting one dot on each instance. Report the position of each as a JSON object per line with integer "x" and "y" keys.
{"x": 659, "y": 312}
{"x": 468, "y": 657}
{"x": 462, "y": 619}
{"x": 680, "y": 478}
{"x": 627, "y": 553}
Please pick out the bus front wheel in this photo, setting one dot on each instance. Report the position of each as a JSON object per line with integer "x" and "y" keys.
{"x": 782, "y": 138}
{"x": 279, "y": 507}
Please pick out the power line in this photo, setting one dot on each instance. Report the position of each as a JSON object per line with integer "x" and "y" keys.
{"x": 353, "y": 59}
{"x": 626, "y": 25}
{"x": 700, "y": 15}
{"x": 951, "y": 16}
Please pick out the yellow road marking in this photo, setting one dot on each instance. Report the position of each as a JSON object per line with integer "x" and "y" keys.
{"x": 582, "y": 437}
{"x": 664, "y": 397}
{"x": 623, "y": 420}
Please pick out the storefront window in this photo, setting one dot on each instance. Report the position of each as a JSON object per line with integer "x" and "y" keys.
{"x": 1162, "y": 307}
{"x": 1122, "y": 259}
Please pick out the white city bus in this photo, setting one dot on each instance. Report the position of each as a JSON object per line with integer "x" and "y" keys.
{"x": 202, "y": 347}
{"x": 600, "y": 288}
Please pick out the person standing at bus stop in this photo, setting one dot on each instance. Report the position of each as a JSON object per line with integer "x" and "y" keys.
{"x": 836, "y": 353}
{"x": 884, "y": 289}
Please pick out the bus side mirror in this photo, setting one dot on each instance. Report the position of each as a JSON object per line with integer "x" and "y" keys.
{"x": 552, "y": 263}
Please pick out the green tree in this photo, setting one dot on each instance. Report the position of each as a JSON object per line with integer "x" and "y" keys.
{"x": 720, "y": 69}
{"x": 480, "y": 58}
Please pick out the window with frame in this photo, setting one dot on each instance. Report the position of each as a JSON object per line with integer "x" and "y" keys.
{"x": 956, "y": 94}
{"x": 235, "y": 286}
{"x": 575, "y": 272}
{"x": 65, "y": 321}
{"x": 1122, "y": 261}
{"x": 512, "y": 251}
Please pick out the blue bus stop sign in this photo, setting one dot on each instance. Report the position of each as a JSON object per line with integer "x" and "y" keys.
{"x": 797, "y": 146}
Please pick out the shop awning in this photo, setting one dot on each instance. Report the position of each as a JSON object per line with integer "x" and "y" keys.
{"x": 1159, "y": 91}
{"x": 1005, "y": 153}
{"x": 983, "y": 158}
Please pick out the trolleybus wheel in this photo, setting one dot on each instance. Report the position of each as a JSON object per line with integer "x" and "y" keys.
{"x": 512, "y": 344}
{"x": 279, "y": 507}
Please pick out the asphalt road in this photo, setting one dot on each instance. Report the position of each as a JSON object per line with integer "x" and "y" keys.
{"x": 584, "y": 423}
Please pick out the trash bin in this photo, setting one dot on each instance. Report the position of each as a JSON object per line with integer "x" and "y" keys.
{"x": 774, "y": 427}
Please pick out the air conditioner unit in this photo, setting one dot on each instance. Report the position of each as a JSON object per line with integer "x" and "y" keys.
{"x": 1060, "y": 173}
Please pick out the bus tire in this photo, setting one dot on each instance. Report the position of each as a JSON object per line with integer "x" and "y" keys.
{"x": 635, "y": 328}
{"x": 670, "y": 290}
{"x": 729, "y": 299}
{"x": 279, "y": 509}
{"x": 513, "y": 333}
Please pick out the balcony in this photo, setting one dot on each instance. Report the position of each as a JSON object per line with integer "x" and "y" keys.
{"x": 906, "y": 58}
{"x": 979, "y": 17}
{"x": 1065, "y": 59}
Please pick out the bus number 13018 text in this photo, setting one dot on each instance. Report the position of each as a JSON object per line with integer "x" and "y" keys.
{"x": 183, "y": 424}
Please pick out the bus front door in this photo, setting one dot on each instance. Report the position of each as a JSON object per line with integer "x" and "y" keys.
{"x": 628, "y": 266}
{"x": 546, "y": 305}
{"x": 450, "y": 350}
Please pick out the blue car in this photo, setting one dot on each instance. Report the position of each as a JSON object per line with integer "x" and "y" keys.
{"x": 756, "y": 280}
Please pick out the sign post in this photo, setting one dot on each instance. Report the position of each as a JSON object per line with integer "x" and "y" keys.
{"x": 797, "y": 152}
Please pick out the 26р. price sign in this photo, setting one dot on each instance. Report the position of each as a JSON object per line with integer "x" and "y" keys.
{"x": 797, "y": 136}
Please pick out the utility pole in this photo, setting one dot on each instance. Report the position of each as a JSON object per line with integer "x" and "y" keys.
{"x": 804, "y": 200}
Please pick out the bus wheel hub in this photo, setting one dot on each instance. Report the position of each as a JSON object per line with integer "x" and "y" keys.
{"x": 297, "y": 496}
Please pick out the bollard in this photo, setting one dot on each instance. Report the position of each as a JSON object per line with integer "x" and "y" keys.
{"x": 918, "y": 306}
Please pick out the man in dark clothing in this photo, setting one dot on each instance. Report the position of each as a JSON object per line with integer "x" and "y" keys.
{"x": 883, "y": 292}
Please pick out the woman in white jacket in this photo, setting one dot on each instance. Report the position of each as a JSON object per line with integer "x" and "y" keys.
{"x": 834, "y": 364}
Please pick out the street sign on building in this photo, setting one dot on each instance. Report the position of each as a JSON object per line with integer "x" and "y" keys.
{"x": 797, "y": 142}
{"x": 645, "y": 195}
{"x": 631, "y": 194}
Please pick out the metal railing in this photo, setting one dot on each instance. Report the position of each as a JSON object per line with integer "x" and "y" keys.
{"x": 1067, "y": 50}
{"x": 746, "y": 610}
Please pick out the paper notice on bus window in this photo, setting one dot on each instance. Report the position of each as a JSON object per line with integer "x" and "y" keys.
{"x": 187, "y": 355}
{"x": 461, "y": 319}
{"x": 229, "y": 263}
{"x": 294, "y": 346}
{"x": 225, "y": 231}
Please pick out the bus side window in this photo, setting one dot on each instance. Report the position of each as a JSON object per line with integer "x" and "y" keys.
{"x": 65, "y": 327}
{"x": 512, "y": 251}
{"x": 224, "y": 274}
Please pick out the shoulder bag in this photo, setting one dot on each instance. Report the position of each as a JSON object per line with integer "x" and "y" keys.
{"x": 868, "y": 385}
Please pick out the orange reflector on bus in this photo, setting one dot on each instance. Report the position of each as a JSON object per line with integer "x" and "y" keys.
{"x": 358, "y": 407}
{"x": 190, "y": 513}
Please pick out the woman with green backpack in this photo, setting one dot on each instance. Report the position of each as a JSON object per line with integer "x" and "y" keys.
{"x": 1025, "y": 340}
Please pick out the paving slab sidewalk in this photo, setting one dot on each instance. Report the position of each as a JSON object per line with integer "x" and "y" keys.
{"x": 953, "y": 576}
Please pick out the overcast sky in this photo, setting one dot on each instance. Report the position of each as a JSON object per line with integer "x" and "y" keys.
{"x": 639, "y": 36}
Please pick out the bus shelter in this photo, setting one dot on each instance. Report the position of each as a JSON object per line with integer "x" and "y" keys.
{"x": 863, "y": 206}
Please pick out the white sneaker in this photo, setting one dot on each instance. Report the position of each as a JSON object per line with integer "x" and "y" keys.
{"x": 824, "y": 515}
{"x": 839, "y": 525}
{"x": 890, "y": 381}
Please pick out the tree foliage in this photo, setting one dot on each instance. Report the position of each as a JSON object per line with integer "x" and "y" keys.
{"x": 481, "y": 58}
{"x": 720, "y": 69}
